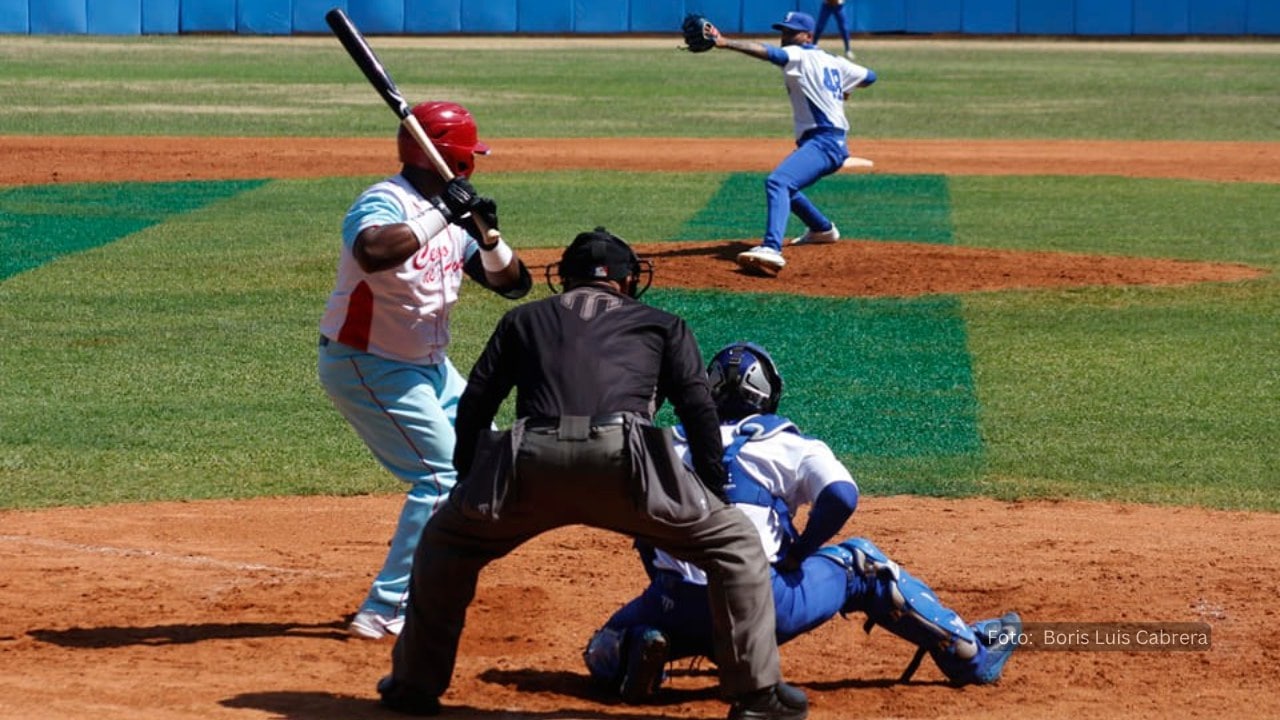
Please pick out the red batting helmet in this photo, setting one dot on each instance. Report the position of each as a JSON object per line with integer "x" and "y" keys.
{"x": 451, "y": 129}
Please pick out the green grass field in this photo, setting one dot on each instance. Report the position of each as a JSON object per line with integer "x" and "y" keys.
{"x": 158, "y": 340}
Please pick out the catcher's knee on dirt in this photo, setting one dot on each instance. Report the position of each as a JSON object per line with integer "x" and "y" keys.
{"x": 603, "y": 656}
{"x": 895, "y": 600}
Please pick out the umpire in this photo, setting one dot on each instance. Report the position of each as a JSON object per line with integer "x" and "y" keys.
{"x": 590, "y": 367}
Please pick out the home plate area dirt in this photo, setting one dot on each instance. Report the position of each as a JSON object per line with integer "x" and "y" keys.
{"x": 218, "y": 609}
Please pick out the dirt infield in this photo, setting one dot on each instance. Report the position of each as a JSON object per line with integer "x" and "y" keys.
{"x": 219, "y": 609}
{"x": 847, "y": 269}
{"x": 41, "y": 159}
{"x": 231, "y": 610}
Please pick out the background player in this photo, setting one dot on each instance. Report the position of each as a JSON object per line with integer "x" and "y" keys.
{"x": 406, "y": 242}
{"x": 818, "y": 83}
{"x": 773, "y": 470}
{"x": 834, "y": 9}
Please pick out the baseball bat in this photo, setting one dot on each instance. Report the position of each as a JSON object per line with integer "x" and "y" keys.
{"x": 357, "y": 47}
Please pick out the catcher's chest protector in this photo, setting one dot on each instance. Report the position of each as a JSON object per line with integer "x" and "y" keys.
{"x": 742, "y": 487}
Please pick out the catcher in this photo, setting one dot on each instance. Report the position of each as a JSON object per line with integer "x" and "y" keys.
{"x": 773, "y": 469}
{"x": 818, "y": 83}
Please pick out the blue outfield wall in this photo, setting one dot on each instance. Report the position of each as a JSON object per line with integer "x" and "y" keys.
{"x": 160, "y": 17}
{"x": 202, "y": 15}
{"x": 15, "y": 17}
{"x": 429, "y": 17}
{"x": 1103, "y": 17}
{"x": 1263, "y": 17}
{"x": 265, "y": 17}
{"x": 930, "y": 16}
{"x": 1046, "y": 17}
{"x": 994, "y": 17}
{"x": 1161, "y": 17}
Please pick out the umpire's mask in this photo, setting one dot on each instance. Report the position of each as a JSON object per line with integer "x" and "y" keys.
{"x": 601, "y": 255}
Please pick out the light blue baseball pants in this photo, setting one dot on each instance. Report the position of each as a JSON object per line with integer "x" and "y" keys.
{"x": 404, "y": 413}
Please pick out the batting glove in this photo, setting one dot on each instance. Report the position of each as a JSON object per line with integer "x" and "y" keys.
{"x": 485, "y": 208}
{"x": 459, "y": 197}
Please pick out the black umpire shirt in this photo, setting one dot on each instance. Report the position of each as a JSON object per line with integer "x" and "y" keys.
{"x": 592, "y": 351}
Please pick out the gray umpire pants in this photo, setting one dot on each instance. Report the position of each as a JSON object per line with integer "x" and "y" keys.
{"x": 619, "y": 477}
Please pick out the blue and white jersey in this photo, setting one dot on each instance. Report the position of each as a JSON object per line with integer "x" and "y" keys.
{"x": 818, "y": 83}
{"x": 794, "y": 467}
{"x": 401, "y": 313}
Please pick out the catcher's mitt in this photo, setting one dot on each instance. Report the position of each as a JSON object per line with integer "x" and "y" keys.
{"x": 699, "y": 34}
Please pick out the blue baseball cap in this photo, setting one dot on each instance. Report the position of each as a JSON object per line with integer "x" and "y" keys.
{"x": 796, "y": 22}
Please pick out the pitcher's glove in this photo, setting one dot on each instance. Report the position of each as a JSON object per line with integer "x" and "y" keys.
{"x": 699, "y": 34}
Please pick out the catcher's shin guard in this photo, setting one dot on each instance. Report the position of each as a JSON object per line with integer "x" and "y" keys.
{"x": 895, "y": 600}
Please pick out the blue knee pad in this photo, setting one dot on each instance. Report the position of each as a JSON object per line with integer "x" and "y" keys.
{"x": 603, "y": 656}
{"x": 895, "y": 600}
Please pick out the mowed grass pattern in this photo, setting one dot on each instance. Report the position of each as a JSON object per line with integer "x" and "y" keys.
{"x": 886, "y": 383}
{"x": 911, "y": 208}
{"x": 40, "y": 224}
{"x": 178, "y": 361}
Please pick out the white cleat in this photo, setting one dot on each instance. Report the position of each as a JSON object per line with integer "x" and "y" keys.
{"x": 369, "y": 625}
{"x": 818, "y": 237}
{"x": 764, "y": 259}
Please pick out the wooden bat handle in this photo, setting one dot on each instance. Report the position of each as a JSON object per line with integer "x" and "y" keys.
{"x": 353, "y": 41}
{"x": 415, "y": 129}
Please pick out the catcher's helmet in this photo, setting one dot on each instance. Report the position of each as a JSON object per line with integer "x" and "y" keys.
{"x": 452, "y": 130}
{"x": 744, "y": 381}
{"x": 601, "y": 255}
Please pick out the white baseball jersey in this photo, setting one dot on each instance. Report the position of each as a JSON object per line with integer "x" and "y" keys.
{"x": 793, "y": 467}
{"x": 400, "y": 313}
{"x": 817, "y": 83}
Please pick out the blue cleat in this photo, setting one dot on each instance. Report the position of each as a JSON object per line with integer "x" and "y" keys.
{"x": 999, "y": 637}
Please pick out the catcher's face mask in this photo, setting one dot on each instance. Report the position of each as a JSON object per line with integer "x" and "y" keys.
{"x": 601, "y": 255}
{"x": 744, "y": 381}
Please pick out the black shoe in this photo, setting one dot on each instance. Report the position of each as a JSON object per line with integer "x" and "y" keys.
{"x": 403, "y": 699}
{"x": 779, "y": 702}
{"x": 646, "y": 667}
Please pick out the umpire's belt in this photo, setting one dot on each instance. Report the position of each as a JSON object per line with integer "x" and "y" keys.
{"x": 575, "y": 427}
